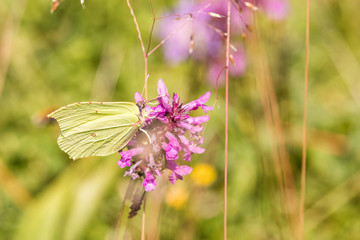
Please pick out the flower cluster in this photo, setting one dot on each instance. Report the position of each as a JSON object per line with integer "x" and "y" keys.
{"x": 198, "y": 30}
{"x": 169, "y": 131}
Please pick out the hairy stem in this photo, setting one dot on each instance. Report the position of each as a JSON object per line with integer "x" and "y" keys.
{"x": 142, "y": 46}
{"x": 143, "y": 220}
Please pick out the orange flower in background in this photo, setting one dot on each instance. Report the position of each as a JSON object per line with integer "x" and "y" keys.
{"x": 204, "y": 174}
{"x": 177, "y": 196}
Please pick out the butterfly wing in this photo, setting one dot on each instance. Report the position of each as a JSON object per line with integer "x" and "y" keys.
{"x": 96, "y": 129}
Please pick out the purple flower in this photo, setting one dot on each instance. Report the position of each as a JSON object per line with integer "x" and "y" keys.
{"x": 188, "y": 34}
{"x": 172, "y": 148}
{"x": 198, "y": 30}
{"x": 191, "y": 147}
{"x": 200, "y": 102}
{"x": 177, "y": 171}
{"x": 197, "y": 120}
{"x": 275, "y": 9}
{"x": 171, "y": 133}
{"x": 238, "y": 64}
{"x": 237, "y": 68}
{"x": 149, "y": 182}
{"x": 126, "y": 156}
{"x": 138, "y": 98}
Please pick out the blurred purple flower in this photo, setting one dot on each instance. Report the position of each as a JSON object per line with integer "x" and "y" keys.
{"x": 275, "y": 9}
{"x": 149, "y": 182}
{"x": 198, "y": 30}
{"x": 237, "y": 67}
{"x": 126, "y": 156}
{"x": 155, "y": 151}
{"x": 188, "y": 34}
{"x": 177, "y": 171}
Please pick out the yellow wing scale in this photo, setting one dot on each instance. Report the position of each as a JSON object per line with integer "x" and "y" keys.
{"x": 96, "y": 128}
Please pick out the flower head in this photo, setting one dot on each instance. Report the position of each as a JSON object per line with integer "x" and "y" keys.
{"x": 187, "y": 34}
{"x": 169, "y": 134}
{"x": 198, "y": 30}
{"x": 275, "y": 9}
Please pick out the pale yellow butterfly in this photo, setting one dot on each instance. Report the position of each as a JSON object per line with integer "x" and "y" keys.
{"x": 97, "y": 128}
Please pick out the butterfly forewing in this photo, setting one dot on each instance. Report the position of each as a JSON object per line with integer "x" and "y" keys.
{"x": 96, "y": 129}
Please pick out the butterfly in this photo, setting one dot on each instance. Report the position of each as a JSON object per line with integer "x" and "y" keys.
{"x": 97, "y": 128}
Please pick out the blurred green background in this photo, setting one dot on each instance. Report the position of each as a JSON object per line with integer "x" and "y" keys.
{"x": 50, "y": 60}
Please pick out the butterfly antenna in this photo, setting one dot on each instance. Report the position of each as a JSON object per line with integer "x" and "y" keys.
{"x": 152, "y": 103}
{"x": 154, "y": 99}
{"x": 146, "y": 135}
